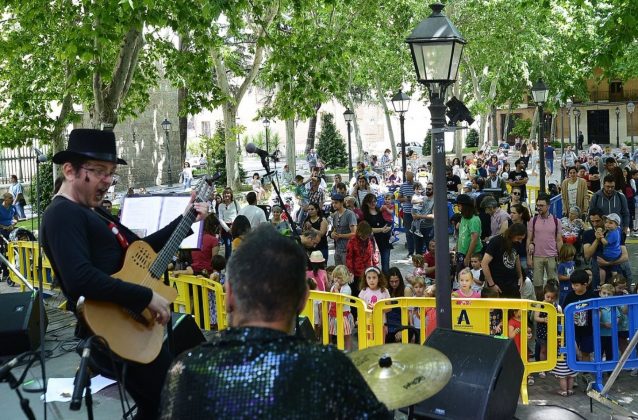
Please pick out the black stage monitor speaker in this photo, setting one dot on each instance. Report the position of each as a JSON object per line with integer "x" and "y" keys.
{"x": 186, "y": 333}
{"x": 486, "y": 377}
{"x": 20, "y": 322}
{"x": 304, "y": 329}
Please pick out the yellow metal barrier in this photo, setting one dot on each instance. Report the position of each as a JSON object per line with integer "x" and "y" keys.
{"x": 193, "y": 297}
{"x": 324, "y": 299}
{"x": 24, "y": 256}
{"x": 473, "y": 315}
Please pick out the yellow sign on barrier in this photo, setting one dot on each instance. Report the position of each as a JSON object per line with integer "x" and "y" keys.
{"x": 466, "y": 317}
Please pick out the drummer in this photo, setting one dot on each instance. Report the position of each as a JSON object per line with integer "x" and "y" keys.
{"x": 257, "y": 368}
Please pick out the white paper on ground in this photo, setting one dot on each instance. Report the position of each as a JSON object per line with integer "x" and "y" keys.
{"x": 61, "y": 389}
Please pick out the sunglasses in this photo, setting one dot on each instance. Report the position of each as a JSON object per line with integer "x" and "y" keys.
{"x": 516, "y": 193}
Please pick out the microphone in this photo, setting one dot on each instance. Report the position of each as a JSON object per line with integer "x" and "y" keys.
{"x": 251, "y": 148}
{"x": 6, "y": 368}
{"x": 40, "y": 157}
{"x": 80, "y": 379}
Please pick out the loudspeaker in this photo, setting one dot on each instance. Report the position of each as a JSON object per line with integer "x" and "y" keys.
{"x": 304, "y": 329}
{"x": 486, "y": 377}
{"x": 20, "y": 322}
{"x": 186, "y": 333}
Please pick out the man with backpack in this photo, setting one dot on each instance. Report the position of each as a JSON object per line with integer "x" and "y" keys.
{"x": 544, "y": 240}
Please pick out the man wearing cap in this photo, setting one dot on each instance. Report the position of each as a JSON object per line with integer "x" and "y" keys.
{"x": 494, "y": 181}
{"x": 86, "y": 245}
{"x": 344, "y": 226}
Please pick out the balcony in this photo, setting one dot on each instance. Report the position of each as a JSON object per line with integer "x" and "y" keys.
{"x": 607, "y": 96}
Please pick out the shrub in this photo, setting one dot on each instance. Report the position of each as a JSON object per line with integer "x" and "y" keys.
{"x": 472, "y": 139}
{"x": 215, "y": 151}
{"x": 427, "y": 144}
{"x": 521, "y": 128}
{"x": 331, "y": 147}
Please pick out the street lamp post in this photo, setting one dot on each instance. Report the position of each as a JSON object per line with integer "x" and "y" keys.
{"x": 436, "y": 46}
{"x": 562, "y": 129}
{"x": 630, "y": 109}
{"x": 166, "y": 125}
{"x": 539, "y": 93}
{"x": 569, "y": 121}
{"x": 577, "y": 119}
{"x": 348, "y": 115}
{"x": 401, "y": 103}
{"x": 617, "y": 129}
{"x": 266, "y": 123}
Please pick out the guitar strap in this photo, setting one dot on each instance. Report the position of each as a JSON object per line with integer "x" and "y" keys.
{"x": 115, "y": 230}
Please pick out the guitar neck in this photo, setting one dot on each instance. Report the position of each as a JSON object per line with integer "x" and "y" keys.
{"x": 165, "y": 256}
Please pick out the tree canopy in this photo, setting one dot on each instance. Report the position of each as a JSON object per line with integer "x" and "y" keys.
{"x": 106, "y": 56}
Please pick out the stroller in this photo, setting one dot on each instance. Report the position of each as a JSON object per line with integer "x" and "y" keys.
{"x": 19, "y": 234}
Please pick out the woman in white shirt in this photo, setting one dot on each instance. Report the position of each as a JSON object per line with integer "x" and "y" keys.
{"x": 187, "y": 175}
{"x": 227, "y": 211}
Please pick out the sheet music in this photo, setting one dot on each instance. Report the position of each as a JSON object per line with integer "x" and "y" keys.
{"x": 147, "y": 214}
{"x": 142, "y": 214}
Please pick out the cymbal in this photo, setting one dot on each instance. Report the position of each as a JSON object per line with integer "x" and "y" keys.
{"x": 401, "y": 375}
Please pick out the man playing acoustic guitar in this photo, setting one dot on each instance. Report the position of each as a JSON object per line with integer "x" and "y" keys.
{"x": 86, "y": 246}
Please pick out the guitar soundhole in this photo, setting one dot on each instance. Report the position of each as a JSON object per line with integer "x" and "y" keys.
{"x": 142, "y": 258}
{"x": 137, "y": 317}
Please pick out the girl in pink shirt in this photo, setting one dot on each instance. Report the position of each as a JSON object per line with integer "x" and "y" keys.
{"x": 373, "y": 287}
{"x": 466, "y": 280}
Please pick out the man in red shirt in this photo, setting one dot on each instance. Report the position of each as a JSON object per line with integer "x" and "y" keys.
{"x": 428, "y": 259}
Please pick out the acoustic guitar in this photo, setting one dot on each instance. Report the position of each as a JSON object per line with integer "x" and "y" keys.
{"x": 133, "y": 336}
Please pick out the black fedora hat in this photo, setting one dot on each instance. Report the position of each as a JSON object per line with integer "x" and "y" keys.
{"x": 92, "y": 144}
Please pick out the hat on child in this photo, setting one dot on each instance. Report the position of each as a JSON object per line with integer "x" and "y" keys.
{"x": 317, "y": 257}
{"x": 614, "y": 217}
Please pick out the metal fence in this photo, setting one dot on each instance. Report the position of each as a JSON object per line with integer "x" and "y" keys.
{"x": 19, "y": 161}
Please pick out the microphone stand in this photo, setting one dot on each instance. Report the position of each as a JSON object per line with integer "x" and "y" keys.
{"x": 293, "y": 226}
{"x": 39, "y": 385}
{"x": 24, "y": 403}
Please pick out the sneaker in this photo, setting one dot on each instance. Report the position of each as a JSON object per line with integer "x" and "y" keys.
{"x": 634, "y": 372}
{"x": 635, "y": 232}
{"x": 418, "y": 233}
{"x": 530, "y": 380}
{"x": 541, "y": 375}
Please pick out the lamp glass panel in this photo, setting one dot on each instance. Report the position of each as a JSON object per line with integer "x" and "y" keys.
{"x": 432, "y": 60}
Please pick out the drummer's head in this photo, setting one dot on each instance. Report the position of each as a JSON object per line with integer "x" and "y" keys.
{"x": 7, "y": 198}
{"x": 281, "y": 292}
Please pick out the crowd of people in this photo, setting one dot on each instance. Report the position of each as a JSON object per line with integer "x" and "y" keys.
{"x": 501, "y": 246}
